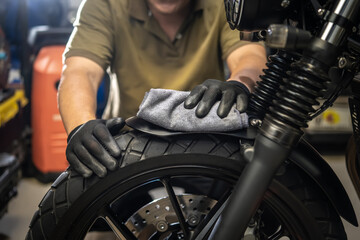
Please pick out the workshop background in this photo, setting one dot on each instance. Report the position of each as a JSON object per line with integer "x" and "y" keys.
{"x": 33, "y": 34}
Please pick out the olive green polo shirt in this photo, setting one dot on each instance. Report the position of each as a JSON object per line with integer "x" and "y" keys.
{"x": 123, "y": 35}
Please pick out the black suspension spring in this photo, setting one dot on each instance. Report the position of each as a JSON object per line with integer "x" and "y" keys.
{"x": 298, "y": 96}
{"x": 266, "y": 89}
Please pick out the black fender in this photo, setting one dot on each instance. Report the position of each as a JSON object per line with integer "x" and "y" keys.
{"x": 314, "y": 165}
{"x": 303, "y": 156}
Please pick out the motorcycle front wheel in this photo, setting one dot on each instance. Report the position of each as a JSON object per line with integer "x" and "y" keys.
{"x": 175, "y": 188}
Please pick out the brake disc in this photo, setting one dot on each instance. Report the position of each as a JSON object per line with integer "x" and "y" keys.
{"x": 159, "y": 216}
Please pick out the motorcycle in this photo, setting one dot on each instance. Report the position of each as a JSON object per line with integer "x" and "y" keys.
{"x": 263, "y": 182}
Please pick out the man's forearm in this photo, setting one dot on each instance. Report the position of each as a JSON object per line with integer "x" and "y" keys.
{"x": 80, "y": 80}
{"x": 246, "y": 64}
{"x": 77, "y": 100}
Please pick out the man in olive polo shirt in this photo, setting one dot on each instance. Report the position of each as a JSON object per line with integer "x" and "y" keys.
{"x": 172, "y": 44}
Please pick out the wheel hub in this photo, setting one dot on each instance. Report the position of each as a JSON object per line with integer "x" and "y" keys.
{"x": 158, "y": 216}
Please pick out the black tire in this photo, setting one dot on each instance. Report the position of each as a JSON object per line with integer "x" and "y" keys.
{"x": 69, "y": 209}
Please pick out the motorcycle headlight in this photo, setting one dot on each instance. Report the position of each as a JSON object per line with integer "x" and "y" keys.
{"x": 255, "y": 15}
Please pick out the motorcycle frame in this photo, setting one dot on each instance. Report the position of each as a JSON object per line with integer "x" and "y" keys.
{"x": 273, "y": 145}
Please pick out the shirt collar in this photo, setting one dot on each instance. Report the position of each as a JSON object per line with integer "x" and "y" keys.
{"x": 138, "y": 8}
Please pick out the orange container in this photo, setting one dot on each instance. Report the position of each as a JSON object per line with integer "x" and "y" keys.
{"x": 49, "y": 136}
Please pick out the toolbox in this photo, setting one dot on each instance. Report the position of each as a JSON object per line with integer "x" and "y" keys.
{"x": 12, "y": 132}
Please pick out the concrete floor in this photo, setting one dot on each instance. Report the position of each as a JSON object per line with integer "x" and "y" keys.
{"x": 15, "y": 222}
{"x": 14, "y": 225}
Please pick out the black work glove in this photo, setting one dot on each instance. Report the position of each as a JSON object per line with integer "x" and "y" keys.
{"x": 206, "y": 94}
{"x": 92, "y": 148}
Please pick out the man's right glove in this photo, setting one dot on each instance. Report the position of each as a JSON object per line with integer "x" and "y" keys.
{"x": 92, "y": 147}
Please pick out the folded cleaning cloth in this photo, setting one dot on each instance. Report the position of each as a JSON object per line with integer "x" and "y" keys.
{"x": 165, "y": 108}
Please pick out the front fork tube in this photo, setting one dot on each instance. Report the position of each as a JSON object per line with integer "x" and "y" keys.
{"x": 251, "y": 187}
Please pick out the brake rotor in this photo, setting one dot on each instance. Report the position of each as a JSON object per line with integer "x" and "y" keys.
{"x": 159, "y": 216}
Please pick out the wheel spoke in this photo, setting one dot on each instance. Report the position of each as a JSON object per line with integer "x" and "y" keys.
{"x": 120, "y": 230}
{"x": 176, "y": 206}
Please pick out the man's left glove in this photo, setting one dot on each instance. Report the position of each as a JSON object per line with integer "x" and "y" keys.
{"x": 206, "y": 94}
{"x": 92, "y": 147}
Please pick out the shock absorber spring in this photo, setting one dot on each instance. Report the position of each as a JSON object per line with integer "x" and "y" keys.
{"x": 266, "y": 89}
{"x": 306, "y": 82}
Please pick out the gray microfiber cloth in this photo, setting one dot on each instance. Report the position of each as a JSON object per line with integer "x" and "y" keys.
{"x": 165, "y": 108}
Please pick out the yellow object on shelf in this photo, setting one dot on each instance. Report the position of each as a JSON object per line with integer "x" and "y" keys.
{"x": 10, "y": 107}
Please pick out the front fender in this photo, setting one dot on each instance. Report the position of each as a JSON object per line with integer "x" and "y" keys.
{"x": 313, "y": 164}
{"x": 303, "y": 155}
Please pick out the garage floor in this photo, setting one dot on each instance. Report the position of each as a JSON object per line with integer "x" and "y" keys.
{"x": 14, "y": 225}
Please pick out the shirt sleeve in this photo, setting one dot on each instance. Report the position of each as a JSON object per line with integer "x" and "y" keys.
{"x": 93, "y": 35}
